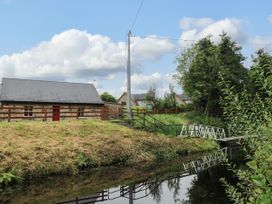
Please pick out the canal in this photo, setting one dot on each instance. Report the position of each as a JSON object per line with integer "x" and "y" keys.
{"x": 193, "y": 179}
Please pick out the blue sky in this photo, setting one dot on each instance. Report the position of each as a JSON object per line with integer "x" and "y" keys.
{"x": 84, "y": 41}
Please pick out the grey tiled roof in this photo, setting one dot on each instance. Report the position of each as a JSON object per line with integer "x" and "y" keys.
{"x": 138, "y": 96}
{"x": 25, "y": 90}
{"x": 183, "y": 97}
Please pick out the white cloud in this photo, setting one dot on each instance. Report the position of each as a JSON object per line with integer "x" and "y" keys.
{"x": 150, "y": 48}
{"x": 79, "y": 55}
{"x": 141, "y": 83}
{"x": 110, "y": 77}
{"x": 195, "y": 29}
{"x": 144, "y": 82}
{"x": 261, "y": 42}
{"x": 269, "y": 19}
{"x": 188, "y": 22}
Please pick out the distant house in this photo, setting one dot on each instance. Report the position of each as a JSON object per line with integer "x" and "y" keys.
{"x": 136, "y": 99}
{"x": 182, "y": 99}
{"x": 47, "y": 100}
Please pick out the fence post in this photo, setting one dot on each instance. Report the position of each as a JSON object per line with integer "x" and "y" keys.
{"x": 45, "y": 114}
{"x": 103, "y": 195}
{"x": 9, "y": 114}
{"x": 144, "y": 120}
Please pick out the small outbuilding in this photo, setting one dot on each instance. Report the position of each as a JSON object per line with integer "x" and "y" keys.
{"x": 182, "y": 99}
{"x": 136, "y": 99}
{"x": 47, "y": 100}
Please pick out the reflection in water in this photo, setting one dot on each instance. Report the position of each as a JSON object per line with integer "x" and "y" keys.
{"x": 200, "y": 190}
{"x": 193, "y": 180}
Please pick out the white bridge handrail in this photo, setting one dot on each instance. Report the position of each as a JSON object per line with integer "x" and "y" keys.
{"x": 204, "y": 131}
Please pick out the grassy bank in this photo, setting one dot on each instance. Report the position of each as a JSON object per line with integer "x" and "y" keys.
{"x": 36, "y": 149}
{"x": 190, "y": 118}
{"x": 172, "y": 122}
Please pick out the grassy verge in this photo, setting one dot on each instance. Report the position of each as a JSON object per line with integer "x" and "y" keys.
{"x": 190, "y": 117}
{"x": 172, "y": 122}
{"x": 37, "y": 149}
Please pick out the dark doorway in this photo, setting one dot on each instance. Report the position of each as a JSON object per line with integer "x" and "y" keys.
{"x": 55, "y": 113}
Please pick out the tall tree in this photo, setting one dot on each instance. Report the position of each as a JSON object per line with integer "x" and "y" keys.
{"x": 107, "y": 97}
{"x": 202, "y": 68}
{"x": 170, "y": 98}
{"x": 151, "y": 95}
{"x": 197, "y": 73}
{"x": 261, "y": 74}
{"x": 231, "y": 62}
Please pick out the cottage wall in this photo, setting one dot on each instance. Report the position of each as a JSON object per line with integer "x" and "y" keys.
{"x": 44, "y": 111}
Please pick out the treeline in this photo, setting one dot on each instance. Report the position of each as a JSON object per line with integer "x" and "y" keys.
{"x": 168, "y": 101}
{"x": 206, "y": 68}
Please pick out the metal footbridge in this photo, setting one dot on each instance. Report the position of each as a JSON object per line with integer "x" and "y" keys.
{"x": 208, "y": 132}
{"x": 150, "y": 123}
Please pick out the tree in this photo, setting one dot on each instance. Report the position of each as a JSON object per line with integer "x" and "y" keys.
{"x": 231, "y": 62}
{"x": 202, "y": 67}
{"x": 170, "y": 98}
{"x": 151, "y": 95}
{"x": 250, "y": 112}
{"x": 261, "y": 74}
{"x": 107, "y": 97}
{"x": 197, "y": 73}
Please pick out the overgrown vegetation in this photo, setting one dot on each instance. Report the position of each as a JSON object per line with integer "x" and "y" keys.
{"x": 250, "y": 112}
{"x": 38, "y": 149}
{"x": 214, "y": 76}
{"x": 8, "y": 179}
{"x": 200, "y": 67}
{"x": 168, "y": 101}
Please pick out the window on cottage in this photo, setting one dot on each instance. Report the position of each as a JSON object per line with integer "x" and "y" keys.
{"x": 28, "y": 111}
{"x": 80, "y": 112}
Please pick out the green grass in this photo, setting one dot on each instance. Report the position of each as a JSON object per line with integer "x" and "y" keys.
{"x": 189, "y": 118}
{"x": 37, "y": 149}
{"x": 173, "y": 122}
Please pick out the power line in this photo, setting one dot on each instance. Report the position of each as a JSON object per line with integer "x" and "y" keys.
{"x": 190, "y": 40}
{"x": 137, "y": 14}
{"x": 162, "y": 37}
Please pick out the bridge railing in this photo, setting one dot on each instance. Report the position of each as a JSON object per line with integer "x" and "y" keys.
{"x": 204, "y": 131}
{"x": 146, "y": 121}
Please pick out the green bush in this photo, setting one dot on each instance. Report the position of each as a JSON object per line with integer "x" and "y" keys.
{"x": 8, "y": 178}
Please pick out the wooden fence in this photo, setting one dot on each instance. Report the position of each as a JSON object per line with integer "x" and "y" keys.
{"x": 48, "y": 113}
{"x": 156, "y": 111}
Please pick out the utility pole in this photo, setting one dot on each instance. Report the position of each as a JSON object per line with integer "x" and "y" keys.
{"x": 128, "y": 80}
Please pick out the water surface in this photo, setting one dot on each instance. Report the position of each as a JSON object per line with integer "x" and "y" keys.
{"x": 189, "y": 180}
